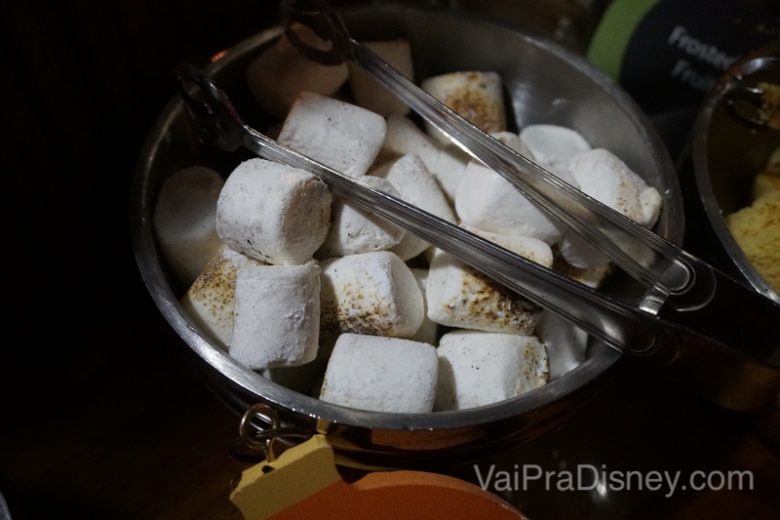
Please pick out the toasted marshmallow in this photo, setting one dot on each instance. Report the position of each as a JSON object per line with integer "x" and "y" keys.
{"x": 370, "y": 293}
{"x": 355, "y": 231}
{"x": 553, "y": 146}
{"x": 368, "y": 92}
{"x": 280, "y": 73}
{"x": 479, "y": 368}
{"x": 185, "y": 220}
{"x": 340, "y": 135}
{"x": 476, "y": 96}
{"x": 277, "y": 315}
{"x": 273, "y": 213}
{"x": 210, "y": 300}
{"x": 416, "y": 186}
{"x": 428, "y": 330}
{"x": 606, "y": 178}
{"x": 381, "y": 374}
{"x": 459, "y": 296}
{"x": 487, "y": 201}
{"x": 566, "y": 344}
{"x": 404, "y": 138}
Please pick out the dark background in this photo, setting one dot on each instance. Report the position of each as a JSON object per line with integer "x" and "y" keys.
{"x": 99, "y": 416}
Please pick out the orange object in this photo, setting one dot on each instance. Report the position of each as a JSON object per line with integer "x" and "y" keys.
{"x": 304, "y": 484}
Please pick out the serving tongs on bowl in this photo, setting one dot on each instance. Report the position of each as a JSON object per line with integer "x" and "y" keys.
{"x": 698, "y": 324}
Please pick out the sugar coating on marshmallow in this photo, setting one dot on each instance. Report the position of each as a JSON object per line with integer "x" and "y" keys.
{"x": 487, "y": 201}
{"x": 606, "y": 178}
{"x": 185, "y": 220}
{"x": 405, "y": 138}
{"x": 566, "y": 344}
{"x": 273, "y": 213}
{"x": 210, "y": 300}
{"x": 459, "y": 296}
{"x": 281, "y": 73}
{"x": 553, "y": 146}
{"x": 479, "y": 368}
{"x": 368, "y": 92}
{"x": 428, "y": 330}
{"x": 370, "y": 293}
{"x": 381, "y": 374}
{"x": 475, "y": 96}
{"x": 354, "y": 231}
{"x": 340, "y": 135}
{"x": 418, "y": 187}
{"x": 277, "y": 315}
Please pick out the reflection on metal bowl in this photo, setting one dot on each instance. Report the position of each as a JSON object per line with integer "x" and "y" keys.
{"x": 545, "y": 84}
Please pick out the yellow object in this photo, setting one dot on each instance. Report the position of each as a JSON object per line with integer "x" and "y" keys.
{"x": 757, "y": 231}
{"x": 769, "y": 179}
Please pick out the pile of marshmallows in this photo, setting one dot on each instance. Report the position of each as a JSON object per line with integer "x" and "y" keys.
{"x": 284, "y": 275}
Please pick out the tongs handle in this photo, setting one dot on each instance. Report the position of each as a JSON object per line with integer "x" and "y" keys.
{"x": 619, "y": 325}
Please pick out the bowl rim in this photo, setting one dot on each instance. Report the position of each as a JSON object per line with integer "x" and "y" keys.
{"x": 702, "y": 175}
{"x": 147, "y": 257}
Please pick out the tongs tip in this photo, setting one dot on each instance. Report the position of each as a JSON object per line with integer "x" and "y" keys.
{"x": 329, "y": 43}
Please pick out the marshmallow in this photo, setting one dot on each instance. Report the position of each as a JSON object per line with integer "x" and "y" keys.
{"x": 277, "y": 315}
{"x": 404, "y": 138}
{"x": 428, "y": 330}
{"x": 532, "y": 249}
{"x": 590, "y": 276}
{"x": 416, "y": 186}
{"x": 210, "y": 300}
{"x": 478, "y": 368}
{"x": 459, "y": 296}
{"x": 487, "y": 201}
{"x": 280, "y": 73}
{"x": 566, "y": 344}
{"x": 476, "y": 96}
{"x": 355, "y": 231}
{"x": 368, "y": 92}
{"x": 273, "y": 213}
{"x": 370, "y": 293}
{"x": 184, "y": 220}
{"x": 514, "y": 142}
{"x": 553, "y": 146}
{"x": 381, "y": 374}
{"x": 340, "y": 135}
{"x": 607, "y": 179}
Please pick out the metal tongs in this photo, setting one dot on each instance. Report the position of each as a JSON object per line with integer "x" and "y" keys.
{"x": 698, "y": 324}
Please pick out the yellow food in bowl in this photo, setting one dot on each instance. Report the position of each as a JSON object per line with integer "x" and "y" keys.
{"x": 757, "y": 227}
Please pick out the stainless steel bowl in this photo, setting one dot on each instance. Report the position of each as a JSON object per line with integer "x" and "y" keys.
{"x": 727, "y": 154}
{"x": 545, "y": 84}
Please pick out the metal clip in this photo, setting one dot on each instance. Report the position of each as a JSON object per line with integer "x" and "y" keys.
{"x": 261, "y": 441}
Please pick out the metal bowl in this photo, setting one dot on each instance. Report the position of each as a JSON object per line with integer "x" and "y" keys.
{"x": 727, "y": 153}
{"x": 545, "y": 84}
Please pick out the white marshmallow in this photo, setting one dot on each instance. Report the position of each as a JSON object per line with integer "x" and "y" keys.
{"x": 184, "y": 220}
{"x": 566, "y": 344}
{"x": 340, "y": 135}
{"x": 210, "y": 300}
{"x": 280, "y": 73}
{"x": 553, "y": 146}
{"x": 404, "y": 138}
{"x": 354, "y": 231}
{"x": 416, "y": 186}
{"x": 370, "y": 293}
{"x": 273, "y": 213}
{"x": 476, "y": 96}
{"x": 514, "y": 142}
{"x": 591, "y": 276}
{"x": 368, "y": 92}
{"x": 487, "y": 201}
{"x": 579, "y": 253}
{"x": 277, "y": 315}
{"x": 478, "y": 368}
{"x": 533, "y": 249}
{"x": 428, "y": 330}
{"x": 459, "y": 296}
{"x": 381, "y": 374}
